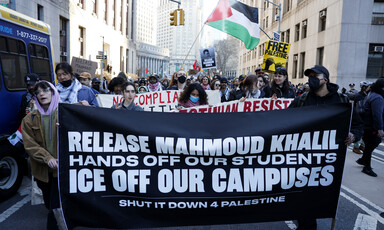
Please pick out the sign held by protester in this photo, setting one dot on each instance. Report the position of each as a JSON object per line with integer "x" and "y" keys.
{"x": 160, "y": 101}
{"x": 249, "y": 105}
{"x": 80, "y": 65}
{"x": 141, "y": 169}
{"x": 275, "y": 55}
{"x": 208, "y": 59}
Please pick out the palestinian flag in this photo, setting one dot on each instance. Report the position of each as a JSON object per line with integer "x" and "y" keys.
{"x": 237, "y": 19}
{"x": 147, "y": 72}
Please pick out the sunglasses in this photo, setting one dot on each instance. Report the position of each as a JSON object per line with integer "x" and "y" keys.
{"x": 38, "y": 92}
{"x": 217, "y": 84}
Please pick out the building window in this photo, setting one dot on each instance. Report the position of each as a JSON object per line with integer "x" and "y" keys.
{"x": 375, "y": 67}
{"x": 63, "y": 39}
{"x": 121, "y": 16}
{"x": 297, "y": 32}
{"x": 322, "y": 20}
{"x": 106, "y": 11}
{"x": 304, "y": 29}
{"x": 378, "y": 12}
{"x": 294, "y": 70}
{"x": 94, "y": 6}
{"x": 114, "y": 14}
{"x": 287, "y": 36}
{"x": 80, "y": 4}
{"x": 266, "y": 22}
{"x": 287, "y": 5}
{"x": 320, "y": 56}
{"x": 40, "y": 12}
{"x": 82, "y": 40}
{"x": 302, "y": 64}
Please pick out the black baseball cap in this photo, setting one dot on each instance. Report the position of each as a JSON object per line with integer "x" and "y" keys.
{"x": 95, "y": 80}
{"x": 318, "y": 69}
{"x": 31, "y": 78}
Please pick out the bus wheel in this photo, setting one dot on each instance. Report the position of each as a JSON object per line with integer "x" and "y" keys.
{"x": 11, "y": 173}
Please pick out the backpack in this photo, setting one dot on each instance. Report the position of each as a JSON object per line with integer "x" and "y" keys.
{"x": 360, "y": 106}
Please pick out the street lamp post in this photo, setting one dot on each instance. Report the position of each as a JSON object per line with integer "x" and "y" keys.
{"x": 102, "y": 67}
{"x": 279, "y": 19}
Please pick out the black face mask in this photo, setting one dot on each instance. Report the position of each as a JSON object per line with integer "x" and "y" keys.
{"x": 96, "y": 87}
{"x": 314, "y": 83}
{"x": 181, "y": 79}
{"x": 66, "y": 83}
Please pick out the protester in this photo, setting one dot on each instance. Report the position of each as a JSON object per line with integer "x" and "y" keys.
{"x": 224, "y": 90}
{"x": 322, "y": 91}
{"x": 70, "y": 89}
{"x": 358, "y": 100}
{"x": 193, "y": 95}
{"x": 96, "y": 85}
{"x": 215, "y": 84}
{"x": 178, "y": 81}
{"x": 142, "y": 82}
{"x": 373, "y": 124}
{"x": 85, "y": 78}
{"x": 237, "y": 92}
{"x": 122, "y": 75}
{"x": 205, "y": 83}
{"x": 129, "y": 94}
{"x": 40, "y": 142}
{"x": 352, "y": 89}
{"x": 264, "y": 85}
{"x": 27, "y": 103}
{"x": 154, "y": 83}
{"x": 251, "y": 88}
{"x": 165, "y": 82}
{"x": 115, "y": 86}
{"x": 142, "y": 89}
{"x": 280, "y": 87}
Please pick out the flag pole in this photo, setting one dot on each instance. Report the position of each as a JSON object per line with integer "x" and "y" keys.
{"x": 193, "y": 44}
{"x": 265, "y": 33}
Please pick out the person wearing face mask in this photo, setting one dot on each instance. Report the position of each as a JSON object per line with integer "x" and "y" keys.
{"x": 322, "y": 91}
{"x": 193, "y": 95}
{"x": 178, "y": 81}
{"x": 70, "y": 89}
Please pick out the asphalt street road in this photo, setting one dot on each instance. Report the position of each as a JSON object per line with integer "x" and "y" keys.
{"x": 360, "y": 204}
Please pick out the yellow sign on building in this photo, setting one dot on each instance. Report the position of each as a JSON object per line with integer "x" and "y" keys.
{"x": 275, "y": 55}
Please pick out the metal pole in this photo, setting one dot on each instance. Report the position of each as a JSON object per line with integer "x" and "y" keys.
{"x": 279, "y": 7}
{"x": 333, "y": 224}
{"x": 101, "y": 66}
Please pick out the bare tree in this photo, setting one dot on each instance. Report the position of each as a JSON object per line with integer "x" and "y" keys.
{"x": 227, "y": 54}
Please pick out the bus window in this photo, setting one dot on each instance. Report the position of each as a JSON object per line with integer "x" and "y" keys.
{"x": 39, "y": 59}
{"x": 14, "y": 63}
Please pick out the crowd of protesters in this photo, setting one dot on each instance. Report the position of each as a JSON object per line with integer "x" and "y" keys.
{"x": 39, "y": 126}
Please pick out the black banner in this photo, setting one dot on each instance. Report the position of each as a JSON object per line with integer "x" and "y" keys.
{"x": 127, "y": 169}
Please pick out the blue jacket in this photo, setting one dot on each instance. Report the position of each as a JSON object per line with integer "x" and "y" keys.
{"x": 85, "y": 93}
{"x": 373, "y": 112}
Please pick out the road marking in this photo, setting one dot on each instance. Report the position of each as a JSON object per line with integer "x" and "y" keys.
{"x": 380, "y": 209}
{"x": 7, "y": 213}
{"x": 365, "y": 222}
{"x": 291, "y": 225}
{"x": 379, "y": 152}
{"x": 378, "y": 159}
{"x": 364, "y": 208}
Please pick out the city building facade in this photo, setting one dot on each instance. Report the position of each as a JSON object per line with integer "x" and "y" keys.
{"x": 346, "y": 36}
{"x": 183, "y": 42}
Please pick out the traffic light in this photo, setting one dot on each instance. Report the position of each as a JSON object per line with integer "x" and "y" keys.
{"x": 173, "y": 18}
{"x": 181, "y": 16}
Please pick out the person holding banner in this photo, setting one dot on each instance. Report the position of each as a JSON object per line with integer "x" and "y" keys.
{"x": 322, "y": 91}
{"x": 70, "y": 89}
{"x": 193, "y": 95}
{"x": 251, "y": 88}
{"x": 129, "y": 94}
{"x": 178, "y": 80}
{"x": 40, "y": 142}
{"x": 280, "y": 87}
